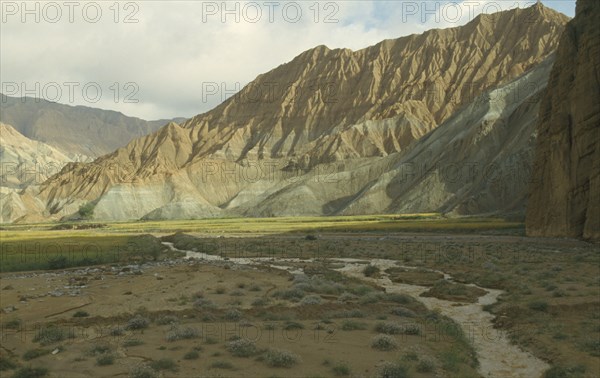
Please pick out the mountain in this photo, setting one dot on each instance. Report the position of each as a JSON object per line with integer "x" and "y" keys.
{"x": 80, "y": 130}
{"x": 343, "y": 113}
{"x": 25, "y": 161}
{"x": 478, "y": 161}
{"x": 565, "y": 192}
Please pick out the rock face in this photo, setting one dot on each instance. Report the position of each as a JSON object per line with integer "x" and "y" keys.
{"x": 326, "y": 129}
{"x": 78, "y": 130}
{"x": 565, "y": 192}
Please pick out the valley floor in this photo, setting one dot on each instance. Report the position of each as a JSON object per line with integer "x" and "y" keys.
{"x": 363, "y": 296}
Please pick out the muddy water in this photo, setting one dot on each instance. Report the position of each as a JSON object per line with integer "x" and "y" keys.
{"x": 497, "y": 356}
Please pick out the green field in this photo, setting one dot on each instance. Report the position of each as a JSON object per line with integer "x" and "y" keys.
{"x": 46, "y": 246}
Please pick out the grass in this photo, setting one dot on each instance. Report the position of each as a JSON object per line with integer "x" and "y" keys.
{"x": 35, "y": 353}
{"x": 222, "y": 365}
{"x": 7, "y": 364}
{"x": 164, "y": 364}
{"x": 46, "y": 249}
{"x": 30, "y": 372}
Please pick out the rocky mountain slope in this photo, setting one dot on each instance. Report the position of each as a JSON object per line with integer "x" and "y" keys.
{"x": 80, "y": 130}
{"x": 565, "y": 192}
{"x": 336, "y": 113}
{"x": 25, "y": 161}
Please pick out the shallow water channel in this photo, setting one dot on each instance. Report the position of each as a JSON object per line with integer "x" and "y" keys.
{"x": 497, "y": 356}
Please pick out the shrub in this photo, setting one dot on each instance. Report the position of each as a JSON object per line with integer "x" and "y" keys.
{"x": 191, "y": 355}
{"x": 167, "y": 319}
{"x": 242, "y": 348}
{"x": 392, "y": 370}
{"x": 347, "y": 314}
{"x": 281, "y": 358}
{"x": 142, "y": 371}
{"x": 389, "y": 328}
{"x": 404, "y": 312}
{"x": 259, "y": 302}
{"x": 310, "y": 237}
{"x": 411, "y": 329}
{"x": 116, "y": 331}
{"x": 221, "y": 365}
{"x": 164, "y": 364}
{"x": 311, "y": 300}
{"x": 371, "y": 298}
{"x": 425, "y": 366}
{"x": 293, "y": 325}
{"x": 346, "y": 297}
{"x": 294, "y": 294}
{"x": 202, "y": 303}
{"x": 383, "y": 342}
{"x": 6, "y": 364}
{"x": 538, "y": 305}
{"x": 13, "y": 324}
{"x": 138, "y": 322}
{"x": 399, "y": 298}
{"x": 352, "y": 325}
{"x": 35, "y": 353}
{"x": 255, "y": 287}
{"x": 341, "y": 369}
{"x": 86, "y": 211}
{"x": 183, "y": 334}
{"x": 30, "y": 372}
{"x": 233, "y": 315}
{"x": 558, "y": 371}
{"x": 220, "y": 290}
{"x": 81, "y": 314}
{"x": 370, "y": 271}
{"x": 51, "y": 335}
{"x": 105, "y": 359}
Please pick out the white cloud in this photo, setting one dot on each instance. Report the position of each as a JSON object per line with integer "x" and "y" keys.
{"x": 176, "y": 46}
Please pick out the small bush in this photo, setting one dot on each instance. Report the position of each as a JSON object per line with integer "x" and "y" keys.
{"x": 404, "y": 312}
{"x": 183, "y": 334}
{"x": 389, "y": 328}
{"x": 221, "y": 365}
{"x": 341, "y": 369}
{"x": 371, "y": 271}
{"x": 255, "y": 287}
{"x": 142, "y": 371}
{"x": 311, "y": 300}
{"x": 202, "y": 303}
{"x": 116, "y": 331}
{"x": 138, "y": 322}
{"x": 425, "y": 366}
{"x": 558, "y": 371}
{"x": 411, "y": 329}
{"x": 294, "y": 294}
{"x": 191, "y": 355}
{"x": 281, "y": 358}
{"x": 105, "y": 359}
{"x": 538, "y": 306}
{"x": 242, "y": 348}
{"x": 392, "y": 370}
{"x": 164, "y": 364}
{"x": 220, "y": 290}
{"x": 293, "y": 325}
{"x": 13, "y": 324}
{"x": 233, "y": 315}
{"x": 167, "y": 319}
{"x": 346, "y": 297}
{"x": 30, "y": 372}
{"x": 260, "y": 302}
{"x": 352, "y": 325}
{"x": 384, "y": 343}
{"x": 81, "y": 314}
{"x": 35, "y": 353}
{"x": 399, "y": 298}
{"x": 51, "y": 335}
{"x": 6, "y": 364}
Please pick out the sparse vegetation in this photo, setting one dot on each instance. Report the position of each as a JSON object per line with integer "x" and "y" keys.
{"x": 371, "y": 271}
{"x": 53, "y": 334}
{"x": 281, "y": 358}
{"x": 30, "y": 372}
{"x": 242, "y": 348}
{"x": 164, "y": 364}
{"x": 392, "y": 370}
{"x": 35, "y": 353}
{"x": 184, "y": 333}
{"x": 138, "y": 322}
{"x": 384, "y": 343}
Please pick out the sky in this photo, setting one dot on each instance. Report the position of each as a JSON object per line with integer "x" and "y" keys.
{"x": 158, "y": 59}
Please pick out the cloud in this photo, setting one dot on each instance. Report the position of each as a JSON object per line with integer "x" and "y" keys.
{"x": 152, "y": 59}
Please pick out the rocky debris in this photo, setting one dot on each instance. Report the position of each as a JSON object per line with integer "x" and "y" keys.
{"x": 565, "y": 188}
